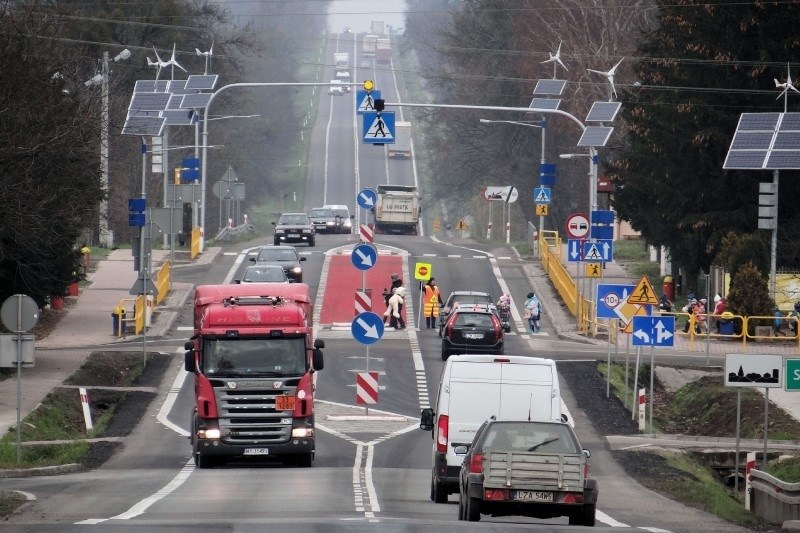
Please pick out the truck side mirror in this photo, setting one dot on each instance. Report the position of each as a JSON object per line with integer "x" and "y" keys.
{"x": 426, "y": 420}
{"x": 319, "y": 343}
{"x": 587, "y": 453}
{"x": 316, "y": 359}
{"x": 303, "y": 258}
{"x": 188, "y": 357}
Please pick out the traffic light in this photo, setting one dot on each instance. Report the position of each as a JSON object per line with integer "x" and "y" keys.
{"x": 379, "y": 104}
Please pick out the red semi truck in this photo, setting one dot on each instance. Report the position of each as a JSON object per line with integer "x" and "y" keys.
{"x": 254, "y": 358}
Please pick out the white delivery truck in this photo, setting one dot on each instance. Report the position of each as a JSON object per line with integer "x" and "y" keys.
{"x": 401, "y": 149}
{"x": 397, "y": 210}
{"x": 473, "y": 388}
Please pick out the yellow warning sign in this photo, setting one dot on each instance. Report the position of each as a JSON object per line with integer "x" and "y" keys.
{"x": 422, "y": 271}
{"x": 593, "y": 270}
{"x": 643, "y": 294}
{"x": 542, "y": 210}
{"x": 462, "y": 225}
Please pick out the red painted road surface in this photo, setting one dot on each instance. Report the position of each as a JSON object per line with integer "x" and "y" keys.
{"x": 338, "y": 303}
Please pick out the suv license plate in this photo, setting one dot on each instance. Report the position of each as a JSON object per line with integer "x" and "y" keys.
{"x": 473, "y": 335}
{"x": 256, "y": 451}
{"x": 533, "y": 496}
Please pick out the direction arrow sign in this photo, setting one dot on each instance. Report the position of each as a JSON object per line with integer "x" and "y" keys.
{"x": 575, "y": 249}
{"x": 366, "y": 198}
{"x": 367, "y": 328}
{"x": 577, "y": 226}
{"x": 653, "y": 331}
{"x": 541, "y": 195}
{"x": 365, "y": 101}
{"x": 378, "y": 128}
{"x": 364, "y": 256}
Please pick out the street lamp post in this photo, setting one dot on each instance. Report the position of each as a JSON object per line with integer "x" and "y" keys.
{"x": 106, "y": 236}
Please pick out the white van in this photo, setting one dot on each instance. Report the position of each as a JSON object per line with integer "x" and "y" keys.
{"x": 474, "y": 388}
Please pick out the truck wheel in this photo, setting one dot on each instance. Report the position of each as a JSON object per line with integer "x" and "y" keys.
{"x": 203, "y": 461}
{"x": 584, "y": 516}
{"x": 473, "y": 510}
{"x": 438, "y": 492}
{"x": 305, "y": 460}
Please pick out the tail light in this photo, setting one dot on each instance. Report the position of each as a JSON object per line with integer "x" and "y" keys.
{"x": 498, "y": 327}
{"x": 304, "y": 400}
{"x": 441, "y": 434}
{"x": 495, "y": 494}
{"x": 476, "y": 463}
{"x": 206, "y": 402}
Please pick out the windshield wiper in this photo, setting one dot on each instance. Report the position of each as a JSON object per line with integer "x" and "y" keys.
{"x": 547, "y": 441}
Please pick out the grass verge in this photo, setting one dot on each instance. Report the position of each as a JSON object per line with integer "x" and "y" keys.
{"x": 10, "y": 501}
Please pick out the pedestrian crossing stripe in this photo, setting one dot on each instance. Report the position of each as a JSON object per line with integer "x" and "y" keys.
{"x": 592, "y": 254}
{"x": 379, "y": 130}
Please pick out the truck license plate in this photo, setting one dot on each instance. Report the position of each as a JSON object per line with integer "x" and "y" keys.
{"x": 533, "y": 496}
{"x": 256, "y": 451}
{"x": 284, "y": 403}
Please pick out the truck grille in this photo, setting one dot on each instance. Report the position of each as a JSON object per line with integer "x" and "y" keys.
{"x": 248, "y": 415}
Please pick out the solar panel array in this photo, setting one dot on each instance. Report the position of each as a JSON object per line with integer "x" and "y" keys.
{"x": 766, "y": 141}
{"x": 545, "y": 103}
{"x": 151, "y": 126}
{"x": 195, "y": 100}
{"x": 595, "y": 136}
{"x": 159, "y": 103}
{"x": 549, "y": 87}
{"x": 201, "y": 82}
{"x": 603, "y": 111}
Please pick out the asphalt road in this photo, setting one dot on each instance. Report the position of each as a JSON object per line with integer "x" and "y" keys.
{"x": 367, "y": 476}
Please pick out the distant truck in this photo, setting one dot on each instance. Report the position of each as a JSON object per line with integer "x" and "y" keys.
{"x": 341, "y": 61}
{"x": 401, "y": 149}
{"x": 383, "y": 52}
{"x": 253, "y": 357}
{"x": 368, "y": 46}
{"x": 397, "y": 210}
{"x": 378, "y": 27}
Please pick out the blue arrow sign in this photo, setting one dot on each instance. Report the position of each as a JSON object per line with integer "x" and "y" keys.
{"x": 602, "y": 250}
{"x": 575, "y": 249}
{"x": 541, "y": 195}
{"x": 366, "y": 198}
{"x": 367, "y": 328}
{"x": 653, "y": 331}
{"x": 378, "y": 128}
{"x": 364, "y": 256}
{"x": 365, "y": 101}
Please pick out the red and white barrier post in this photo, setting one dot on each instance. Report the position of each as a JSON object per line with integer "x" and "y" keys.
{"x": 363, "y": 302}
{"x": 642, "y": 409}
{"x": 751, "y": 464}
{"x": 367, "y": 388}
{"x": 87, "y": 413}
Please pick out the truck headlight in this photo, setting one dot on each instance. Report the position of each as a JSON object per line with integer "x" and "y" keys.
{"x": 210, "y": 433}
{"x": 300, "y": 433}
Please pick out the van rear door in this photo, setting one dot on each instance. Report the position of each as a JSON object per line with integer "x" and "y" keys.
{"x": 475, "y": 396}
{"x": 529, "y": 391}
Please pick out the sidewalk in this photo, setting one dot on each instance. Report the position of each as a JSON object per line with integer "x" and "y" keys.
{"x": 564, "y": 324}
{"x": 87, "y": 326}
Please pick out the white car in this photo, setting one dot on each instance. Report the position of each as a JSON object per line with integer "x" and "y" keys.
{"x": 344, "y": 78}
{"x": 336, "y": 88}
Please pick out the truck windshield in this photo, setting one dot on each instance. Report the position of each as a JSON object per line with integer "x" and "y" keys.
{"x": 269, "y": 357}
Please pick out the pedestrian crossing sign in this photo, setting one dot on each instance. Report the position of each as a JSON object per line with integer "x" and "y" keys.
{"x": 365, "y": 101}
{"x": 541, "y": 195}
{"x": 378, "y": 128}
{"x": 542, "y": 210}
{"x": 643, "y": 293}
{"x": 592, "y": 253}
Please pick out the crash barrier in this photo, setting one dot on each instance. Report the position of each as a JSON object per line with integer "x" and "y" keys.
{"x": 163, "y": 278}
{"x": 773, "y": 500}
{"x": 197, "y": 237}
{"x": 124, "y": 322}
{"x": 730, "y": 327}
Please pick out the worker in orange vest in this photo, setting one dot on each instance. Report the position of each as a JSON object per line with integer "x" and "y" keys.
{"x": 431, "y": 303}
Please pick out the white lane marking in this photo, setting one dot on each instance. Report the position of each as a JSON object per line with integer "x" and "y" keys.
{"x": 607, "y": 520}
{"x": 373, "y": 495}
{"x": 635, "y": 446}
{"x": 169, "y": 402}
{"x": 655, "y": 529}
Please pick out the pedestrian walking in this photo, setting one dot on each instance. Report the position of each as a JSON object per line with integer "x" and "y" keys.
{"x": 504, "y": 308}
{"x": 431, "y": 302}
{"x": 395, "y": 309}
{"x": 533, "y": 310}
{"x": 387, "y": 293}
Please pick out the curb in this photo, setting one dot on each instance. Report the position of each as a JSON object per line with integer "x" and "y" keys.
{"x": 41, "y": 471}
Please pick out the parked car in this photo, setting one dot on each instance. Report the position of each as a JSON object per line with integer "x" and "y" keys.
{"x": 526, "y": 468}
{"x": 344, "y": 218}
{"x": 284, "y": 256}
{"x": 293, "y": 227}
{"x": 263, "y": 274}
{"x": 457, "y": 297}
{"x": 324, "y": 220}
{"x": 473, "y": 328}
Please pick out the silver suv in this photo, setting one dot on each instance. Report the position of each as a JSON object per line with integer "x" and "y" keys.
{"x": 344, "y": 219}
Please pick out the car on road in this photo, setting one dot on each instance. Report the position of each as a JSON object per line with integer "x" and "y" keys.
{"x": 458, "y": 297}
{"x": 336, "y": 88}
{"x": 284, "y": 256}
{"x": 526, "y": 468}
{"x": 263, "y": 274}
{"x": 343, "y": 77}
{"x": 294, "y": 227}
{"x": 473, "y": 328}
{"x": 324, "y": 220}
{"x": 344, "y": 219}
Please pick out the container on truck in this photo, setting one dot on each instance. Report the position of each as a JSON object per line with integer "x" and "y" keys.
{"x": 341, "y": 60}
{"x": 368, "y": 45}
{"x": 401, "y": 149}
{"x": 397, "y": 209}
{"x": 253, "y": 356}
{"x": 383, "y": 52}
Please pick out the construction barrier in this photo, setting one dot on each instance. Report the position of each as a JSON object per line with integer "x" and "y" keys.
{"x": 197, "y": 237}
{"x": 163, "y": 280}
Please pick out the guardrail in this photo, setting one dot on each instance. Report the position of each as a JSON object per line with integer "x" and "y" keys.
{"x": 773, "y": 500}
{"x": 136, "y": 323}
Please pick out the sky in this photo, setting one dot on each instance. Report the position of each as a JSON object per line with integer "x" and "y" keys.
{"x": 359, "y": 14}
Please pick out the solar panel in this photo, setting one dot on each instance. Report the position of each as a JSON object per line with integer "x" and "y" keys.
{"x": 603, "y": 111}
{"x": 745, "y": 159}
{"x": 595, "y": 136}
{"x": 178, "y": 117}
{"x": 545, "y": 103}
{"x": 144, "y": 126}
{"x": 149, "y": 101}
{"x": 765, "y": 141}
{"x": 790, "y": 122}
{"x": 175, "y": 101}
{"x": 783, "y": 159}
{"x": 787, "y": 140}
{"x": 751, "y": 140}
{"x": 177, "y": 87}
{"x": 201, "y": 82}
{"x": 196, "y": 100}
{"x": 149, "y": 86}
{"x": 551, "y": 87}
{"x": 758, "y": 121}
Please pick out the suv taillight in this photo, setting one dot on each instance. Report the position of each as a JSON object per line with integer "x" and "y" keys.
{"x": 441, "y": 434}
{"x": 498, "y": 327}
{"x": 476, "y": 463}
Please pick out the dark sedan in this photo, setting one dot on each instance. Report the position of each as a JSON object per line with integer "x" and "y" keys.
{"x": 461, "y": 297}
{"x": 263, "y": 274}
{"x": 285, "y": 256}
{"x": 294, "y": 227}
{"x": 473, "y": 329}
